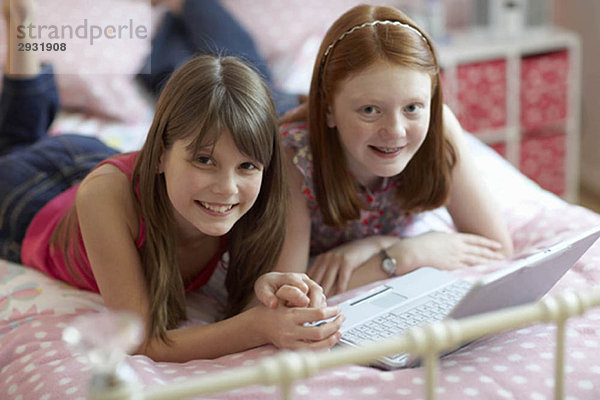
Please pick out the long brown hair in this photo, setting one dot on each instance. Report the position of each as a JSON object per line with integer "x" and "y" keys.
{"x": 346, "y": 51}
{"x": 203, "y": 97}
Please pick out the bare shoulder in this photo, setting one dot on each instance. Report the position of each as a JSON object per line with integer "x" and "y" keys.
{"x": 105, "y": 182}
{"x": 107, "y": 191}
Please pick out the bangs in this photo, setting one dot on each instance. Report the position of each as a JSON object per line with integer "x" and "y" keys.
{"x": 253, "y": 136}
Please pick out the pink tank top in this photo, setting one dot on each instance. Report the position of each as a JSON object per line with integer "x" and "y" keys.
{"x": 37, "y": 252}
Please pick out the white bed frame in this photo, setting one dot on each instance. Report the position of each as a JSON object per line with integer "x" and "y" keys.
{"x": 428, "y": 342}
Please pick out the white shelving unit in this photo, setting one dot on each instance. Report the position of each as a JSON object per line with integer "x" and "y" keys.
{"x": 482, "y": 46}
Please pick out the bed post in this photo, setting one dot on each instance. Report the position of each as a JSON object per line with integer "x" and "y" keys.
{"x": 114, "y": 335}
{"x": 559, "y": 309}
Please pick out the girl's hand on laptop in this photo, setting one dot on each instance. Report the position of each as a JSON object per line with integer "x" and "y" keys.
{"x": 291, "y": 328}
{"x": 289, "y": 289}
{"x": 446, "y": 251}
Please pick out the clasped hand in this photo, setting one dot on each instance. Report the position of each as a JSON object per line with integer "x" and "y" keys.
{"x": 290, "y": 301}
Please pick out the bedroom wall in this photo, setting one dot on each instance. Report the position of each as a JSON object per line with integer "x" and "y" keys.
{"x": 582, "y": 17}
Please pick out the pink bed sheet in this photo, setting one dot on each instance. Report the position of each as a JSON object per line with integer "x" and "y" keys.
{"x": 36, "y": 364}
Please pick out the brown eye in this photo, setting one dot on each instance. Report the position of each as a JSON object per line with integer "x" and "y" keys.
{"x": 204, "y": 160}
{"x": 249, "y": 166}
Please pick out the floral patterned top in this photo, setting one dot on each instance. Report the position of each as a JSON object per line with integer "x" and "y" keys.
{"x": 383, "y": 218}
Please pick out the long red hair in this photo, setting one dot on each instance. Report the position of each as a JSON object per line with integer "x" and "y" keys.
{"x": 346, "y": 51}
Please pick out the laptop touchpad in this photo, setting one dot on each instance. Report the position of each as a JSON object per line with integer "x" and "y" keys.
{"x": 388, "y": 299}
{"x": 360, "y": 311}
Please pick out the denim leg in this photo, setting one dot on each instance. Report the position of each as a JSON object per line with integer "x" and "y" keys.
{"x": 32, "y": 176}
{"x": 27, "y": 108}
{"x": 204, "y": 27}
{"x": 212, "y": 30}
{"x": 170, "y": 49}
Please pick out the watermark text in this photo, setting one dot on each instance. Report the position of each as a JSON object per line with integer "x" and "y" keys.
{"x": 85, "y": 30}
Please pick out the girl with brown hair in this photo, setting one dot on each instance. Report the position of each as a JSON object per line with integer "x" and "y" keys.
{"x": 206, "y": 190}
{"x": 378, "y": 149}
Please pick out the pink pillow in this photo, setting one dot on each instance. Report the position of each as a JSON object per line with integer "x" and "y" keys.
{"x": 96, "y": 78}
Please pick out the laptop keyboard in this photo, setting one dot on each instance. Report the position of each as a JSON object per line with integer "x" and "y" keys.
{"x": 435, "y": 307}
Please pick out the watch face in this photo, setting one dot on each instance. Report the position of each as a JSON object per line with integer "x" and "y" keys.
{"x": 389, "y": 266}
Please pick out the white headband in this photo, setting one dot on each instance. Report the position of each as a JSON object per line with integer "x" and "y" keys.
{"x": 373, "y": 23}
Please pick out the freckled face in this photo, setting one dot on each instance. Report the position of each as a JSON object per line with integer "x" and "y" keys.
{"x": 210, "y": 191}
{"x": 382, "y": 116}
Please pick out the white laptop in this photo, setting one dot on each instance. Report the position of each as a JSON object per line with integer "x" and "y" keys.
{"x": 427, "y": 294}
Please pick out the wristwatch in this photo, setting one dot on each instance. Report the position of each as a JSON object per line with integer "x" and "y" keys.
{"x": 388, "y": 264}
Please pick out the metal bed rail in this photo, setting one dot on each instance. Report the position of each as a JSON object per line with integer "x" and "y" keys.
{"x": 427, "y": 342}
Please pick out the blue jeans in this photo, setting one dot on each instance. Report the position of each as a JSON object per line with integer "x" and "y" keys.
{"x": 34, "y": 167}
{"x": 204, "y": 27}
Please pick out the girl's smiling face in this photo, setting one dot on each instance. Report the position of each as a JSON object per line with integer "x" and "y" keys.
{"x": 211, "y": 190}
{"x": 382, "y": 116}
